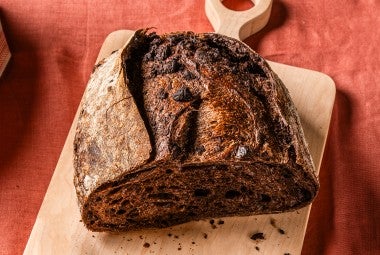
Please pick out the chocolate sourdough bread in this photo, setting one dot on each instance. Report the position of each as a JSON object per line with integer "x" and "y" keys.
{"x": 185, "y": 126}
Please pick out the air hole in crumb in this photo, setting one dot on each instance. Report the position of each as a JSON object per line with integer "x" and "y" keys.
{"x": 115, "y": 201}
{"x": 243, "y": 189}
{"x": 114, "y": 191}
{"x": 162, "y": 195}
{"x": 201, "y": 192}
{"x": 121, "y": 211}
{"x": 124, "y": 203}
{"x": 265, "y": 198}
{"x": 169, "y": 171}
{"x": 287, "y": 174}
{"x": 231, "y": 194}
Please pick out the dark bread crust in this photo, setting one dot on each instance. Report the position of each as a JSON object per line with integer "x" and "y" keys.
{"x": 191, "y": 126}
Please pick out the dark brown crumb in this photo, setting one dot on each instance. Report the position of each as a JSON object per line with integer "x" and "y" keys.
{"x": 273, "y": 222}
{"x": 146, "y": 245}
{"x": 179, "y": 248}
{"x": 93, "y": 236}
{"x": 221, "y": 222}
{"x": 213, "y": 226}
{"x": 154, "y": 243}
{"x": 204, "y": 235}
{"x": 141, "y": 237}
{"x": 170, "y": 234}
{"x": 193, "y": 242}
{"x": 258, "y": 236}
{"x": 80, "y": 220}
{"x": 212, "y": 221}
{"x": 287, "y": 253}
{"x": 257, "y": 248}
{"x": 176, "y": 236}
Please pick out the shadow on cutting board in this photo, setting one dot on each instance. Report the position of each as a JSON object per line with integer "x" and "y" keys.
{"x": 340, "y": 177}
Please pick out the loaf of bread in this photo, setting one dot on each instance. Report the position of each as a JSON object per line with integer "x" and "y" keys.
{"x": 182, "y": 127}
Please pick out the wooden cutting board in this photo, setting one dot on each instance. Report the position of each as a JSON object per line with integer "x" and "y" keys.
{"x": 58, "y": 229}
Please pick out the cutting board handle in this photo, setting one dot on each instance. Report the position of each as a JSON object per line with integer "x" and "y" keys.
{"x": 238, "y": 24}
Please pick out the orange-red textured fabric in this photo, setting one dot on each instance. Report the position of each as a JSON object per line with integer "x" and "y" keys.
{"x": 54, "y": 44}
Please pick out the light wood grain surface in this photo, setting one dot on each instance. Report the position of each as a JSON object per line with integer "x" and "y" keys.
{"x": 5, "y": 54}
{"x": 58, "y": 229}
{"x": 238, "y": 24}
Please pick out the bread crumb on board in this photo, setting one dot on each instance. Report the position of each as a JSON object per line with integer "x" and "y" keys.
{"x": 258, "y": 236}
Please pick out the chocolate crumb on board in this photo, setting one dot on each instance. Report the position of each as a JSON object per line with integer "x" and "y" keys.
{"x": 220, "y": 222}
{"x": 287, "y": 253}
{"x": 273, "y": 222}
{"x": 212, "y": 221}
{"x": 179, "y": 248}
{"x": 257, "y": 248}
{"x": 146, "y": 245}
{"x": 192, "y": 242}
{"x": 141, "y": 237}
{"x": 176, "y": 236}
{"x": 204, "y": 235}
{"x": 170, "y": 234}
{"x": 258, "y": 236}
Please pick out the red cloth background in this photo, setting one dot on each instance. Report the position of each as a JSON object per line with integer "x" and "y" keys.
{"x": 54, "y": 46}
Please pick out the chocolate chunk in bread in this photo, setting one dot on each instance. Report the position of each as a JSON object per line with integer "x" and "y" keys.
{"x": 183, "y": 126}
